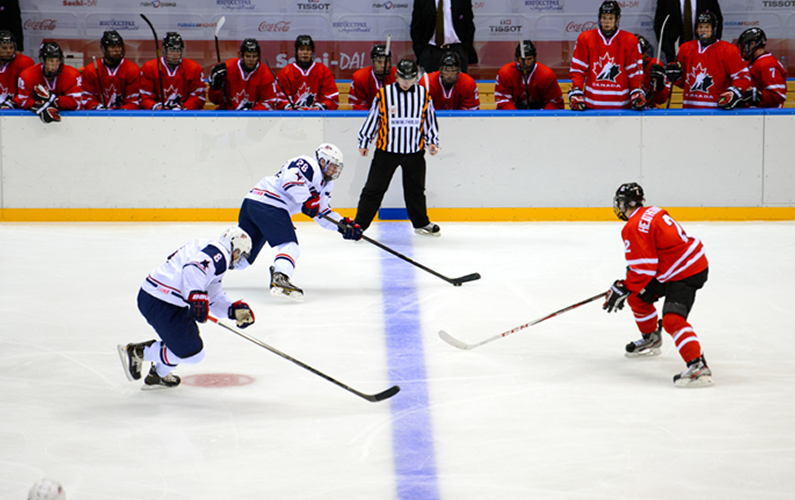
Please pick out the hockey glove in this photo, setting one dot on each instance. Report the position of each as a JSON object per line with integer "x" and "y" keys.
{"x": 100, "y": 107}
{"x": 8, "y": 103}
{"x": 50, "y": 115}
{"x": 616, "y": 297}
{"x": 674, "y": 72}
{"x": 350, "y": 230}
{"x": 657, "y": 75}
{"x": 752, "y": 97}
{"x": 199, "y": 304}
{"x": 311, "y": 206}
{"x": 241, "y": 313}
{"x": 730, "y": 99}
{"x": 218, "y": 76}
{"x": 638, "y": 100}
{"x": 41, "y": 93}
{"x": 576, "y": 100}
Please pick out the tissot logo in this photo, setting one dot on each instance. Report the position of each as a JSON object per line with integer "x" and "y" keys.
{"x": 313, "y": 5}
{"x": 778, "y": 4}
{"x": 506, "y": 26}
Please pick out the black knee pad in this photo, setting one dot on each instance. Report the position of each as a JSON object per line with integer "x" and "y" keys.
{"x": 676, "y": 308}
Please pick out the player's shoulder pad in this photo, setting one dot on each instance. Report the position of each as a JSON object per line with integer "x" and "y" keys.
{"x": 218, "y": 257}
{"x": 306, "y": 166}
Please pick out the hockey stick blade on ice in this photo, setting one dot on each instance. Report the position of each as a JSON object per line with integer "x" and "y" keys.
{"x": 463, "y": 345}
{"x": 452, "y": 281}
{"x": 373, "y": 398}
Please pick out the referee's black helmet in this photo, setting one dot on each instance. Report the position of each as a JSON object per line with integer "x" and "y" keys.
{"x": 407, "y": 69}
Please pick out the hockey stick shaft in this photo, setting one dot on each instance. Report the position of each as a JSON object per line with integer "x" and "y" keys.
{"x": 157, "y": 52}
{"x": 218, "y": 26}
{"x": 662, "y": 32}
{"x": 292, "y": 105}
{"x": 369, "y": 397}
{"x": 99, "y": 81}
{"x": 462, "y": 345}
{"x": 453, "y": 281}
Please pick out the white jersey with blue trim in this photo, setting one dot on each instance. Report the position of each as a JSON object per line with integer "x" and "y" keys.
{"x": 198, "y": 265}
{"x": 298, "y": 180}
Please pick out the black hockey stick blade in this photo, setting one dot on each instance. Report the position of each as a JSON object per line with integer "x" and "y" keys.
{"x": 374, "y": 398}
{"x": 464, "y": 279}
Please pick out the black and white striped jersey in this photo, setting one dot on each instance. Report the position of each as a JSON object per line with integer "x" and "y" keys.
{"x": 400, "y": 121}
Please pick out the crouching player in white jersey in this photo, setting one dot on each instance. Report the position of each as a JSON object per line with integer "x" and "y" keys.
{"x": 662, "y": 261}
{"x": 177, "y": 295}
{"x": 303, "y": 185}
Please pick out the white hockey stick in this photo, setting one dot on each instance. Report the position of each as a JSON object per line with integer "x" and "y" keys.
{"x": 660, "y": 42}
{"x": 218, "y": 26}
{"x": 388, "y": 43}
{"x": 463, "y": 345}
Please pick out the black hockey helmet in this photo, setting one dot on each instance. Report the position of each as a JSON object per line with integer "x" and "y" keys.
{"x": 407, "y": 69}
{"x": 708, "y": 17}
{"x": 109, "y": 39}
{"x": 305, "y": 41}
{"x": 250, "y": 45}
{"x": 609, "y": 7}
{"x": 628, "y": 197}
{"x": 529, "y": 49}
{"x": 173, "y": 41}
{"x": 750, "y": 40}
{"x": 50, "y": 50}
{"x": 379, "y": 50}
{"x": 645, "y": 46}
{"x": 450, "y": 60}
{"x": 8, "y": 37}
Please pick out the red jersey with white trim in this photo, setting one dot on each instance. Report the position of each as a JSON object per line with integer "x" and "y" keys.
{"x": 770, "y": 79}
{"x": 121, "y": 86}
{"x": 9, "y": 77}
{"x": 656, "y": 246}
{"x": 254, "y": 90}
{"x": 606, "y": 70}
{"x": 512, "y": 88}
{"x": 660, "y": 97}
{"x": 461, "y": 96}
{"x": 307, "y": 88}
{"x": 709, "y": 71}
{"x": 364, "y": 87}
{"x": 66, "y": 86}
{"x": 183, "y": 84}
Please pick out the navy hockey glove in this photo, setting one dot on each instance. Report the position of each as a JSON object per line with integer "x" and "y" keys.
{"x": 657, "y": 75}
{"x": 350, "y": 230}
{"x": 616, "y": 297}
{"x": 199, "y": 304}
{"x": 730, "y": 99}
{"x": 311, "y": 206}
{"x": 576, "y": 100}
{"x": 638, "y": 100}
{"x": 241, "y": 313}
{"x": 218, "y": 76}
{"x": 674, "y": 72}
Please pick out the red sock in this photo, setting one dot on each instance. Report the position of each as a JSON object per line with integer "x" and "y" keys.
{"x": 685, "y": 338}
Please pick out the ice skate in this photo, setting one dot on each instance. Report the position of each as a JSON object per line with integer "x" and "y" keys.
{"x": 650, "y": 345}
{"x": 281, "y": 286}
{"x": 155, "y": 381}
{"x": 697, "y": 374}
{"x": 430, "y": 230}
{"x": 132, "y": 358}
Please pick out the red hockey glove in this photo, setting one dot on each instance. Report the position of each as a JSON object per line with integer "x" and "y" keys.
{"x": 576, "y": 100}
{"x": 638, "y": 100}
{"x": 350, "y": 230}
{"x": 241, "y": 313}
{"x": 311, "y": 206}
{"x": 616, "y": 297}
{"x": 199, "y": 304}
{"x": 41, "y": 93}
{"x": 730, "y": 99}
{"x": 50, "y": 115}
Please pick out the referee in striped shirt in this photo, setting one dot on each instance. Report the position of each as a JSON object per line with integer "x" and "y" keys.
{"x": 402, "y": 121}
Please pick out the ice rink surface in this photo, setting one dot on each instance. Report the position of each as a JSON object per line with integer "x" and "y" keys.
{"x": 552, "y": 412}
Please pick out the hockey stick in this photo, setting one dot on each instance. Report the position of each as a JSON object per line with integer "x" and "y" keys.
{"x": 157, "y": 51}
{"x": 522, "y": 74}
{"x": 218, "y": 30}
{"x": 373, "y": 398}
{"x": 462, "y": 345}
{"x": 99, "y": 80}
{"x": 452, "y": 281}
{"x": 292, "y": 105}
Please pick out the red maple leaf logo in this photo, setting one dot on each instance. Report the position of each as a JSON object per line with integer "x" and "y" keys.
{"x": 606, "y": 68}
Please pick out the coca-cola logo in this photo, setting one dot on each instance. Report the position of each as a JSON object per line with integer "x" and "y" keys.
{"x": 43, "y": 25}
{"x": 277, "y": 27}
{"x": 573, "y": 27}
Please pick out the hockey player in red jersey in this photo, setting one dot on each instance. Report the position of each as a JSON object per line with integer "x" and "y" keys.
{"x": 307, "y": 84}
{"x": 50, "y": 86}
{"x": 118, "y": 83}
{"x": 172, "y": 82}
{"x": 12, "y": 65}
{"x": 243, "y": 83}
{"x": 366, "y": 82}
{"x": 768, "y": 78}
{"x": 710, "y": 71}
{"x": 449, "y": 88}
{"x": 527, "y": 84}
{"x": 662, "y": 261}
{"x": 606, "y": 67}
{"x": 656, "y": 86}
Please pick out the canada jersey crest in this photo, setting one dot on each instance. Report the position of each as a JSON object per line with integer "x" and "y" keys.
{"x": 699, "y": 80}
{"x": 606, "y": 69}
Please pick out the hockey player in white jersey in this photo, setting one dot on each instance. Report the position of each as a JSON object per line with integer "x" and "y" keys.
{"x": 303, "y": 185}
{"x": 180, "y": 293}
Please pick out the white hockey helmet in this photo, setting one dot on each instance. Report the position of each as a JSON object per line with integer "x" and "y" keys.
{"x": 47, "y": 489}
{"x": 333, "y": 157}
{"x": 235, "y": 238}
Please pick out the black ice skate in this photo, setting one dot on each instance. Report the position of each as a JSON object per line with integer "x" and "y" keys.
{"x": 281, "y": 286}
{"x": 155, "y": 381}
{"x": 648, "y": 346}
{"x": 430, "y": 230}
{"x": 132, "y": 358}
{"x": 697, "y": 374}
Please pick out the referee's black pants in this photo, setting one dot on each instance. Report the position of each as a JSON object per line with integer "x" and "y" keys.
{"x": 382, "y": 169}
